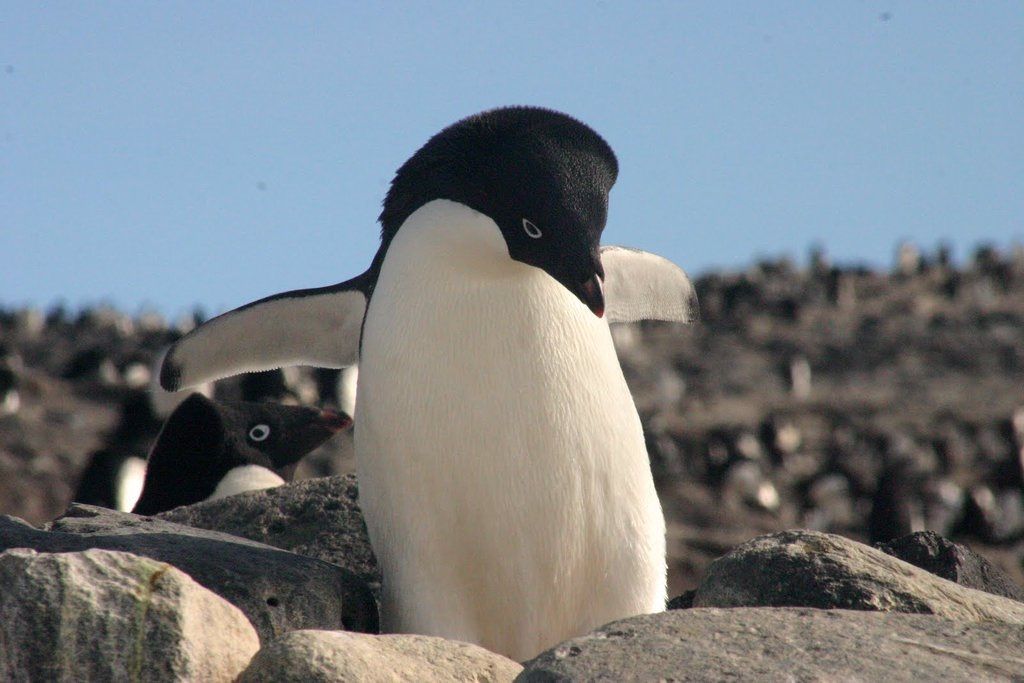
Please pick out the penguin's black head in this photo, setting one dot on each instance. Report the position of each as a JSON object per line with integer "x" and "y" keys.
{"x": 541, "y": 176}
{"x": 203, "y": 440}
{"x": 273, "y": 435}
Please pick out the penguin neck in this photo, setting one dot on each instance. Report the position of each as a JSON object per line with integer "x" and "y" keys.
{"x": 451, "y": 255}
{"x": 451, "y": 237}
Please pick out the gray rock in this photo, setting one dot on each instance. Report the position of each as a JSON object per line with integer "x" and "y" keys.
{"x": 952, "y": 561}
{"x": 682, "y": 601}
{"x": 278, "y": 591}
{"x": 316, "y": 517}
{"x": 108, "y": 616}
{"x": 313, "y": 656}
{"x": 788, "y": 644}
{"x": 811, "y": 569}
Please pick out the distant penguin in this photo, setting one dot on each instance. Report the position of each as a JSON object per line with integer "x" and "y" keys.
{"x": 336, "y": 388}
{"x": 347, "y": 383}
{"x": 10, "y": 399}
{"x": 896, "y": 506}
{"x": 263, "y": 386}
{"x": 502, "y": 466}
{"x": 211, "y": 449}
{"x": 112, "y": 479}
{"x": 327, "y": 385}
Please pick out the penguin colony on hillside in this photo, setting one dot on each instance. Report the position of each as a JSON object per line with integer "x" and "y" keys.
{"x": 503, "y": 472}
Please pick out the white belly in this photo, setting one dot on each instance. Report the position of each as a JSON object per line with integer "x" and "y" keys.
{"x": 502, "y": 467}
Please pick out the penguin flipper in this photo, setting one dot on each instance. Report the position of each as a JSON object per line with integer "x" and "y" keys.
{"x": 639, "y": 285}
{"x": 318, "y": 327}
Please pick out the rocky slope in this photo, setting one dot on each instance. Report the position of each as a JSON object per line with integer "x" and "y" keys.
{"x": 793, "y": 605}
{"x": 845, "y": 400}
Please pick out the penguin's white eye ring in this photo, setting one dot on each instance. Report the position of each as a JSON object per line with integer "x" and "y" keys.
{"x": 259, "y": 432}
{"x": 531, "y": 229}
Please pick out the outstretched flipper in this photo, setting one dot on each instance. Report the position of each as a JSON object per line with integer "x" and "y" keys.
{"x": 639, "y": 285}
{"x": 319, "y": 327}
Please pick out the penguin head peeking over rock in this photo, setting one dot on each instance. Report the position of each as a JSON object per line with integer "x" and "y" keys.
{"x": 211, "y": 449}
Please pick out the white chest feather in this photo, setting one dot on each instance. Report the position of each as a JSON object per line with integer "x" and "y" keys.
{"x": 502, "y": 466}
{"x": 130, "y": 481}
{"x": 245, "y": 478}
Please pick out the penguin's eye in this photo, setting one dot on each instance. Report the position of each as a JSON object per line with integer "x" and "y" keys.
{"x": 531, "y": 229}
{"x": 259, "y": 432}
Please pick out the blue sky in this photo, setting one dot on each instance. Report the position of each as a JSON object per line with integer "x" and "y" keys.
{"x": 167, "y": 155}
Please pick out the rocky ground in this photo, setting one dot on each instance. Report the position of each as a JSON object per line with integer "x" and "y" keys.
{"x": 105, "y": 595}
{"x": 845, "y": 400}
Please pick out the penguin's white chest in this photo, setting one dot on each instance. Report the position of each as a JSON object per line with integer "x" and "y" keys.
{"x": 502, "y": 467}
{"x": 243, "y": 479}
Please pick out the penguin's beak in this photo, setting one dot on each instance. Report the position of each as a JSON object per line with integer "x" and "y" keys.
{"x": 308, "y": 429}
{"x": 335, "y": 421}
{"x": 591, "y": 293}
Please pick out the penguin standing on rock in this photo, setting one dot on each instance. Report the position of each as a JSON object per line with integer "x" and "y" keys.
{"x": 211, "y": 449}
{"x": 502, "y": 467}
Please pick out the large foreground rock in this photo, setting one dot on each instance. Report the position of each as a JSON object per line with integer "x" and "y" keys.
{"x": 785, "y": 645}
{"x": 313, "y": 656}
{"x": 952, "y": 561}
{"x": 108, "y": 616}
{"x": 278, "y": 591}
{"x": 316, "y": 517}
{"x": 812, "y": 569}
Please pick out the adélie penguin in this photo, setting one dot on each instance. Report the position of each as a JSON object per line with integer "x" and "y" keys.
{"x": 211, "y": 449}
{"x": 112, "y": 479}
{"x": 503, "y": 473}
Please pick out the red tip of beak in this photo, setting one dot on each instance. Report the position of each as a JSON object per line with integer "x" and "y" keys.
{"x": 335, "y": 421}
